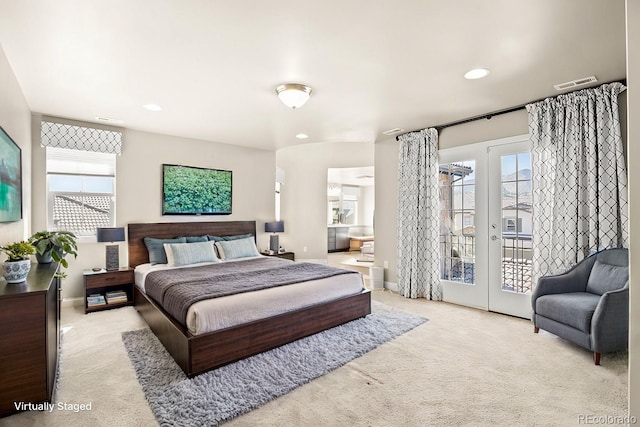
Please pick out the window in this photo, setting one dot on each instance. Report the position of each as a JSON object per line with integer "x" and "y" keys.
{"x": 342, "y": 204}
{"x": 278, "y": 201}
{"x": 80, "y": 190}
{"x": 457, "y": 221}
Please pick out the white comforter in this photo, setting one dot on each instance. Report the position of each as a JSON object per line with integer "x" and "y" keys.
{"x": 218, "y": 313}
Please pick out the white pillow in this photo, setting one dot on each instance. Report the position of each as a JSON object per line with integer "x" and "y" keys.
{"x": 239, "y": 248}
{"x": 179, "y": 254}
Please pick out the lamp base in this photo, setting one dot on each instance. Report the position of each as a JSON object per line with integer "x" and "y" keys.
{"x": 112, "y": 257}
{"x": 274, "y": 243}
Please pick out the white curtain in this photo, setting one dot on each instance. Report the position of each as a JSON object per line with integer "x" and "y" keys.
{"x": 580, "y": 181}
{"x": 418, "y": 217}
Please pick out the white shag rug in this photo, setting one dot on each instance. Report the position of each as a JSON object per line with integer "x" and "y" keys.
{"x": 224, "y": 393}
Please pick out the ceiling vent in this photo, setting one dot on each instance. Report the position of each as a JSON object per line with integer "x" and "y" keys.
{"x": 110, "y": 120}
{"x": 575, "y": 83}
{"x": 393, "y": 131}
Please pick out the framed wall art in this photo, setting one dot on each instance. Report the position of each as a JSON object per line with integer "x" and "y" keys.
{"x": 10, "y": 179}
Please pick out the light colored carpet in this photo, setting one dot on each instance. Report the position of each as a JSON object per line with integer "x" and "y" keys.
{"x": 224, "y": 393}
{"x": 465, "y": 367}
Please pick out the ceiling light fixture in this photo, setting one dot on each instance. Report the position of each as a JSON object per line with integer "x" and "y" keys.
{"x": 293, "y": 95}
{"x": 302, "y": 136}
{"x": 476, "y": 73}
{"x": 152, "y": 107}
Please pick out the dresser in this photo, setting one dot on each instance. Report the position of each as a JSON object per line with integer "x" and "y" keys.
{"x": 29, "y": 337}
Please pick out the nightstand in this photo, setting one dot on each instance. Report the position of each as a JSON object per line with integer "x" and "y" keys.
{"x": 108, "y": 281}
{"x": 286, "y": 255}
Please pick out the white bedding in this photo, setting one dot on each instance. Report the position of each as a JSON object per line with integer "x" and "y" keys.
{"x": 219, "y": 313}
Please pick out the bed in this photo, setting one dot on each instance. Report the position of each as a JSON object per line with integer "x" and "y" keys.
{"x": 196, "y": 353}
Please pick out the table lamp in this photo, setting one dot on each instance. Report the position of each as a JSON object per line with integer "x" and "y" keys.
{"x": 113, "y": 234}
{"x": 274, "y": 227}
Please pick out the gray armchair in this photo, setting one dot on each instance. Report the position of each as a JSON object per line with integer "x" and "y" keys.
{"x": 589, "y": 304}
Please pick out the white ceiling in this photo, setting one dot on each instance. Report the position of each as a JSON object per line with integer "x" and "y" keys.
{"x": 213, "y": 65}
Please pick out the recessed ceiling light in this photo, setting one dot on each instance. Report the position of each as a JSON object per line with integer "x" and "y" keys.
{"x": 476, "y": 73}
{"x": 302, "y": 136}
{"x": 152, "y": 107}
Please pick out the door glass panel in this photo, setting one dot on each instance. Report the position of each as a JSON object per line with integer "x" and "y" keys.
{"x": 457, "y": 222}
{"x": 517, "y": 223}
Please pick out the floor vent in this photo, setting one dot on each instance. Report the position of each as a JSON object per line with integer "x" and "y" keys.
{"x": 575, "y": 83}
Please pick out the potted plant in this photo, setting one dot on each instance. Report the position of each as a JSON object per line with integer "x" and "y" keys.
{"x": 18, "y": 263}
{"x": 54, "y": 246}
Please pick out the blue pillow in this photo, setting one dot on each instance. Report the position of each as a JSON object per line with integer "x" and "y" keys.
{"x": 193, "y": 239}
{"x": 237, "y": 237}
{"x": 179, "y": 254}
{"x": 155, "y": 247}
{"x": 215, "y": 238}
{"x": 237, "y": 248}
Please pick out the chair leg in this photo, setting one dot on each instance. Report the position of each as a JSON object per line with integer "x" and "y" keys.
{"x": 596, "y": 357}
{"x": 536, "y": 329}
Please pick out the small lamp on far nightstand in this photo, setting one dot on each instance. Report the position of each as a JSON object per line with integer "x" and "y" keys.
{"x": 113, "y": 234}
{"x": 274, "y": 227}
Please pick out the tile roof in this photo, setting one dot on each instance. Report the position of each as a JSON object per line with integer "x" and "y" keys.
{"x": 81, "y": 214}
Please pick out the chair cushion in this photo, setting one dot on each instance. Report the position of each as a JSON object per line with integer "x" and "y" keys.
{"x": 606, "y": 277}
{"x": 573, "y": 309}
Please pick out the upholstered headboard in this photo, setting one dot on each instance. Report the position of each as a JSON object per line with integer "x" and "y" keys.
{"x": 166, "y": 230}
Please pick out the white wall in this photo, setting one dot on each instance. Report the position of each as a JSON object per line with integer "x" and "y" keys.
{"x": 633, "y": 149}
{"x": 15, "y": 119}
{"x": 367, "y": 206}
{"x": 139, "y": 188}
{"x": 304, "y": 194}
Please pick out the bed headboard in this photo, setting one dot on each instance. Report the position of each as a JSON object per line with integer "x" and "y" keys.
{"x": 166, "y": 230}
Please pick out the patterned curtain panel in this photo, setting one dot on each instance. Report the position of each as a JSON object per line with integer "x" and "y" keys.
{"x": 418, "y": 218}
{"x": 80, "y": 138}
{"x": 580, "y": 181}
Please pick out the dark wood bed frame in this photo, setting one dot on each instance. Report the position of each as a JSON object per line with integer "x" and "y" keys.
{"x": 196, "y": 354}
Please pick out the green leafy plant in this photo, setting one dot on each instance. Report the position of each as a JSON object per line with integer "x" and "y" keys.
{"x": 57, "y": 243}
{"x": 18, "y": 251}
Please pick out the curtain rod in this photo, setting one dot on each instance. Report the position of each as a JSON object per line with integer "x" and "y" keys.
{"x": 483, "y": 116}
{"x": 488, "y": 116}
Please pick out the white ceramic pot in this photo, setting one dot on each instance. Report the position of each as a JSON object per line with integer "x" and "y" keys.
{"x": 16, "y": 271}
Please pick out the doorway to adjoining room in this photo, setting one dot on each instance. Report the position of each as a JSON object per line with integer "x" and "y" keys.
{"x": 350, "y": 218}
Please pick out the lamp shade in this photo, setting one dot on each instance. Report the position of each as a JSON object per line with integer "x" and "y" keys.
{"x": 114, "y": 234}
{"x": 293, "y": 95}
{"x": 274, "y": 227}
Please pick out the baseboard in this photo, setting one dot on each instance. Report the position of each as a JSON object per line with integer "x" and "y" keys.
{"x": 73, "y": 302}
{"x": 391, "y": 286}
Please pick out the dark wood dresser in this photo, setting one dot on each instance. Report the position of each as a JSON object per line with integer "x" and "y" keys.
{"x": 29, "y": 337}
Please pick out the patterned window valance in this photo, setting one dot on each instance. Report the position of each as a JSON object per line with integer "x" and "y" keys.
{"x": 80, "y": 138}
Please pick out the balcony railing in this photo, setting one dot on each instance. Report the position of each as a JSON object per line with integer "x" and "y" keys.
{"x": 458, "y": 260}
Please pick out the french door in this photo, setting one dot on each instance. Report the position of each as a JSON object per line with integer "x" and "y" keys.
{"x": 486, "y": 225}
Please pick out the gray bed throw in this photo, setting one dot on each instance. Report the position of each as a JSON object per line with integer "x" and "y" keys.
{"x": 177, "y": 289}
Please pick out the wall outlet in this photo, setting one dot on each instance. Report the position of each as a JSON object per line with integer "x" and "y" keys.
{"x": 304, "y": 249}
{"x": 386, "y": 264}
